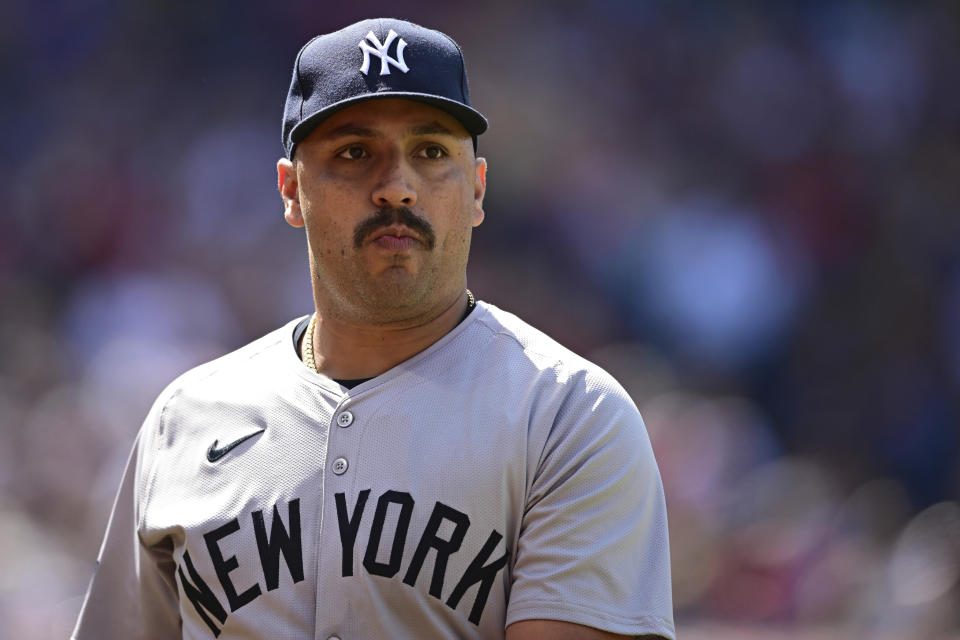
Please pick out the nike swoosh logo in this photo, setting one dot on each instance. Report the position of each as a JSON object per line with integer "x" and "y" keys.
{"x": 214, "y": 454}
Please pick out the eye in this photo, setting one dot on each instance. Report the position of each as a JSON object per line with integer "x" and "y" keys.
{"x": 432, "y": 152}
{"x": 353, "y": 152}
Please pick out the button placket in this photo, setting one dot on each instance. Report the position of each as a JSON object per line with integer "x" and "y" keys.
{"x": 343, "y": 420}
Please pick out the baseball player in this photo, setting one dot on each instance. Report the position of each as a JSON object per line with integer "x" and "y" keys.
{"x": 406, "y": 461}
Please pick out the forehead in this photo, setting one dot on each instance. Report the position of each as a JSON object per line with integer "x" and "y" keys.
{"x": 389, "y": 117}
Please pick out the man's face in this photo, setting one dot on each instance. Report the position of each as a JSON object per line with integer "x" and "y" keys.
{"x": 389, "y": 191}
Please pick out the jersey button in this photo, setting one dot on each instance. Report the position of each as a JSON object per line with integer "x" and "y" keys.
{"x": 345, "y": 419}
{"x": 340, "y": 466}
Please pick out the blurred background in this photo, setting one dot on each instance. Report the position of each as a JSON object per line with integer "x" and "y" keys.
{"x": 749, "y": 214}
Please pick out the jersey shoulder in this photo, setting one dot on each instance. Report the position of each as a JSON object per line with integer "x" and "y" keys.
{"x": 533, "y": 348}
{"x": 233, "y": 387}
{"x": 539, "y": 349}
{"x": 249, "y": 375}
{"x": 251, "y": 364}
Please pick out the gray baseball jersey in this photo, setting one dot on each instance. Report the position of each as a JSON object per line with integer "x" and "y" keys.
{"x": 494, "y": 477}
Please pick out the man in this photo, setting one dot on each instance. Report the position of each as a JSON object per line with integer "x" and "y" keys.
{"x": 406, "y": 462}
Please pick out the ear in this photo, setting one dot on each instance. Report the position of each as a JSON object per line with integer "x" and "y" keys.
{"x": 479, "y": 189}
{"x": 289, "y": 191}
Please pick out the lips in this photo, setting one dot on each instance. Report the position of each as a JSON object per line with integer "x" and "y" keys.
{"x": 400, "y": 223}
{"x": 394, "y": 238}
{"x": 395, "y": 243}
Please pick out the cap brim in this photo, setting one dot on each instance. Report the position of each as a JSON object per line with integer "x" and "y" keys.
{"x": 471, "y": 119}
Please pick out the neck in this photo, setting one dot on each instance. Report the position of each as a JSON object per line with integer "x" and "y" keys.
{"x": 346, "y": 350}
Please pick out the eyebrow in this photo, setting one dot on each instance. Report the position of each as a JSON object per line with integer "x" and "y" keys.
{"x": 432, "y": 128}
{"x": 354, "y": 130}
{"x": 348, "y": 129}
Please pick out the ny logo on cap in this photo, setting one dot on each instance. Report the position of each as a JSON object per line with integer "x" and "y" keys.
{"x": 381, "y": 51}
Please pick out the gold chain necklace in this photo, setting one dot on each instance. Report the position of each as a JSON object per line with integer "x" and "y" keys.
{"x": 308, "y": 338}
{"x": 308, "y": 345}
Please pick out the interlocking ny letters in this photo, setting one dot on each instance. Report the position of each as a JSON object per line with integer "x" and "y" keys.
{"x": 380, "y": 50}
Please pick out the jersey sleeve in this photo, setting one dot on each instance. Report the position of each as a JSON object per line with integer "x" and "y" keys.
{"x": 132, "y": 594}
{"x": 593, "y": 546}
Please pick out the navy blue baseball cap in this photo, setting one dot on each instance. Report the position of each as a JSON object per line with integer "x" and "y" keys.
{"x": 379, "y": 58}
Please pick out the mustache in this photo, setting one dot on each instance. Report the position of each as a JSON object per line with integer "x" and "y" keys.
{"x": 389, "y": 216}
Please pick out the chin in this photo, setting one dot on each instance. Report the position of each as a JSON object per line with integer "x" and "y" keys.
{"x": 397, "y": 291}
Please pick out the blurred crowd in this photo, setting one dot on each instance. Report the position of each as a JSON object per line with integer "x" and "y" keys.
{"x": 749, "y": 214}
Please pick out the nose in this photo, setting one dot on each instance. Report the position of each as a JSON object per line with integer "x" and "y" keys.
{"x": 396, "y": 185}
